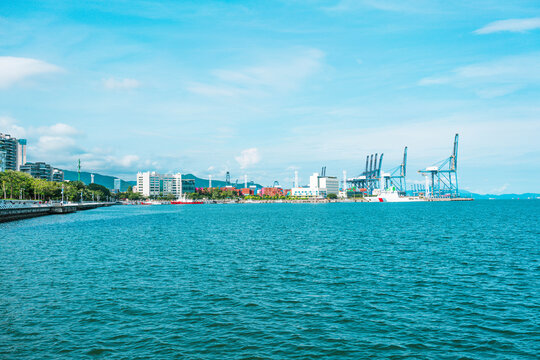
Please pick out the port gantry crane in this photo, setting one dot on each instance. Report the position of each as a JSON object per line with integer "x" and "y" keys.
{"x": 396, "y": 176}
{"x": 370, "y": 178}
{"x": 441, "y": 177}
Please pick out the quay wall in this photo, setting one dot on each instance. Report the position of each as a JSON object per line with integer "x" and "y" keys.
{"x": 13, "y": 212}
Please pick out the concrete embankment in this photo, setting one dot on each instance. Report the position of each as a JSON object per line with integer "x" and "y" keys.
{"x": 19, "y": 212}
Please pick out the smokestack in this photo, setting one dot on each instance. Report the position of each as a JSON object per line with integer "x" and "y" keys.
{"x": 91, "y": 178}
{"x": 209, "y": 181}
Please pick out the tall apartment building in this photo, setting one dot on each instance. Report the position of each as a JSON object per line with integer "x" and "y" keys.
{"x": 12, "y": 152}
{"x": 151, "y": 183}
{"x": 117, "y": 185}
{"x": 41, "y": 170}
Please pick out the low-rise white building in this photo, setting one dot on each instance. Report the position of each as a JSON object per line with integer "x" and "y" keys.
{"x": 319, "y": 186}
{"x": 151, "y": 183}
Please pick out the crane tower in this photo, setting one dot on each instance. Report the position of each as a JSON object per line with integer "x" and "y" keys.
{"x": 441, "y": 178}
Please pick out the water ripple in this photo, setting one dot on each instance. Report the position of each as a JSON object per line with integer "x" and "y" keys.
{"x": 274, "y": 281}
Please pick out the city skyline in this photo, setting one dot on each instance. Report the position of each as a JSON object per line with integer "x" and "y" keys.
{"x": 267, "y": 89}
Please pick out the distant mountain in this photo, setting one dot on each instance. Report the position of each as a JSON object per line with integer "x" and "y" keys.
{"x": 501, "y": 196}
{"x": 108, "y": 181}
{"x": 199, "y": 182}
{"x": 105, "y": 180}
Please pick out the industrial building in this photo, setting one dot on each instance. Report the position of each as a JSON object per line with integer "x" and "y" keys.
{"x": 12, "y": 152}
{"x": 151, "y": 183}
{"x": 320, "y": 185}
{"x": 272, "y": 191}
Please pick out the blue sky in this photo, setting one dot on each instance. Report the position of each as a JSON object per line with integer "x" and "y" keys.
{"x": 266, "y": 88}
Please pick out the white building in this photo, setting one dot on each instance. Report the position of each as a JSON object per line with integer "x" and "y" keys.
{"x": 154, "y": 184}
{"x": 319, "y": 186}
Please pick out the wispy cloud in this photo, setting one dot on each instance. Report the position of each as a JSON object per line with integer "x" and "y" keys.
{"x": 120, "y": 84}
{"x": 9, "y": 126}
{"x": 412, "y": 6}
{"x": 285, "y": 73}
{"x": 248, "y": 157}
{"x": 494, "y": 78}
{"x": 16, "y": 69}
{"x": 511, "y": 25}
{"x": 60, "y": 145}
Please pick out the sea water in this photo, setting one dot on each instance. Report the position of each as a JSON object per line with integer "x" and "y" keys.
{"x": 442, "y": 280}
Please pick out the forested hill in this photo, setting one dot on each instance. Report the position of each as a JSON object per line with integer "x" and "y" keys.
{"x": 108, "y": 181}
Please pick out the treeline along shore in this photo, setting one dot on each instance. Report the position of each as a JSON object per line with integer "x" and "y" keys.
{"x": 15, "y": 185}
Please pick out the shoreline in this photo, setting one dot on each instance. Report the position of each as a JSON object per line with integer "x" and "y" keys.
{"x": 295, "y": 201}
{"x": 14, "y": 211}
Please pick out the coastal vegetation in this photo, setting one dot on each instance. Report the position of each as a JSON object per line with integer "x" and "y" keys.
{"x": 19, "y": 185}
{"x": 129, "y": 195}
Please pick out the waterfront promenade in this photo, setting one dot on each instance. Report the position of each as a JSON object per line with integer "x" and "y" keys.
{"x": 11, "y": 210}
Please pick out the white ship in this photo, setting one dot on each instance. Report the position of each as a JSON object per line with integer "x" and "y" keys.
{"x": 391, "y": 196}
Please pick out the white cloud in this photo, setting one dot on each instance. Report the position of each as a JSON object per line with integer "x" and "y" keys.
{"x": 284, "y": 73}
{"x": 58, "y": 129}
{"x": 248, "y": 157}
{"x": 411, "y": 6}
{"x": 10, "y": 127}
{"x": 60, "y": 145}
{"x": 47, "y": 145}
{"x": 428, "y": 142}
{"x": 512, "y": 25}
{"x": 16, "y": 69}
{"x": 500, "y": 190}
{"x": 121, "y": 84}
{"x": 495, "y": 78}
{"x": 127, "y": 160}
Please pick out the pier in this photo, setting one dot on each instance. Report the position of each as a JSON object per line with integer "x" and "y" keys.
{"x": 17, "y": 210}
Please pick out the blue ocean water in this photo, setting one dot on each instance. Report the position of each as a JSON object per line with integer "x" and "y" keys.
{"x": 273, "y": 281}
